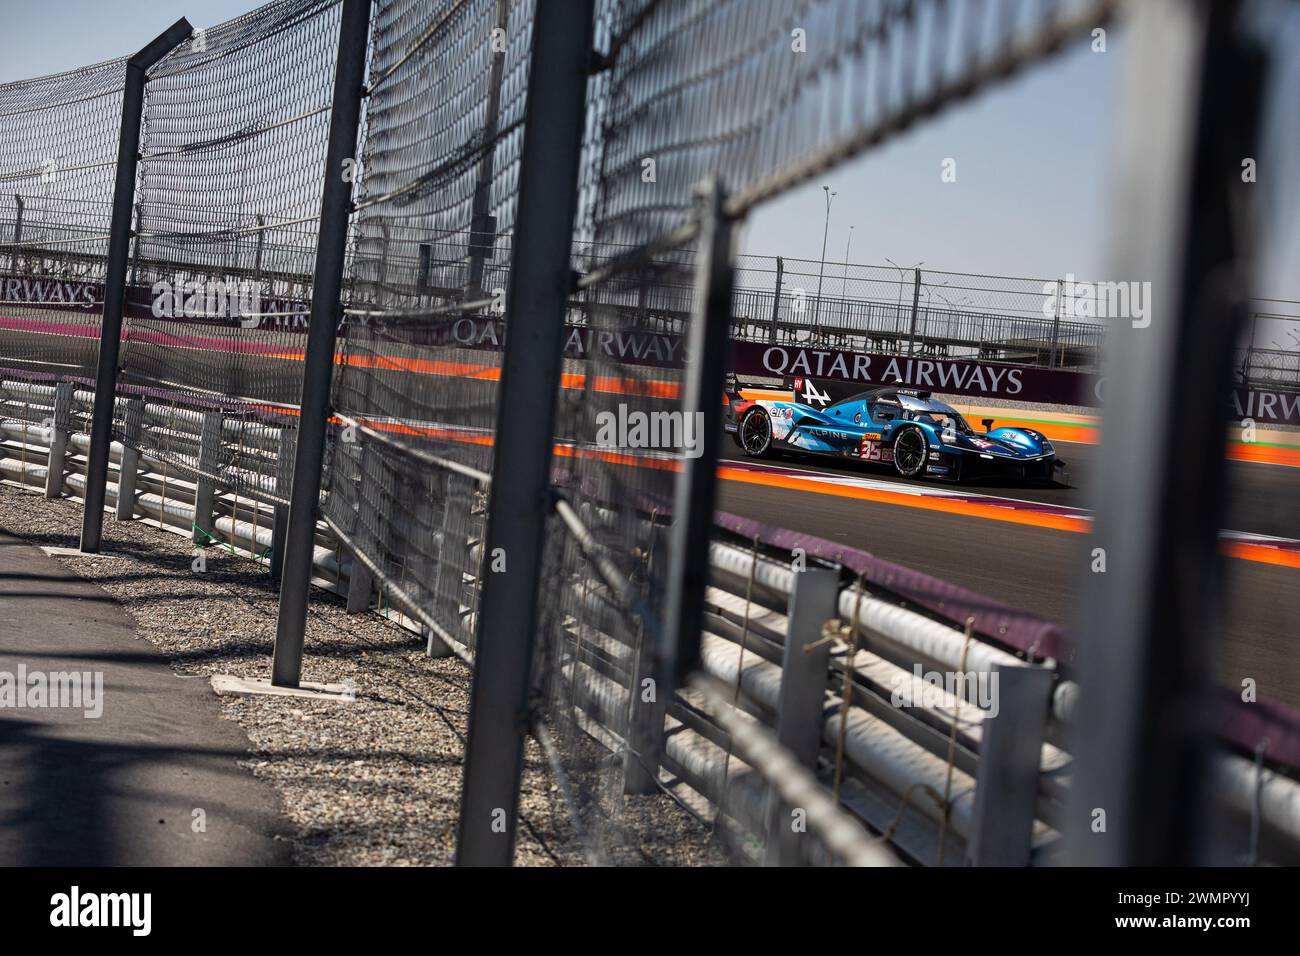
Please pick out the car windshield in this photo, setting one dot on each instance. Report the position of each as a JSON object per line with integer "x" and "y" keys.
{"x": 942, "y": 420}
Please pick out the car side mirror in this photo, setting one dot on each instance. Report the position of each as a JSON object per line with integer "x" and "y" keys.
{"x": 988, "y": 424}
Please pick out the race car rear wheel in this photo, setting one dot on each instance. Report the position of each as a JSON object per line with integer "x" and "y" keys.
{"x": 754, "y": 436}
{"x": 910, "y": 449}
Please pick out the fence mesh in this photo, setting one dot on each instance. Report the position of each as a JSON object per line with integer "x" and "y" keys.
{"x": 760, "y": 94}
{"x": 57, "y": 164}
{"x": 426, "y": 316}
{"x": 603, "y": 594}
{"x": 767, "y": 94}
{"x": 961, "y": 315}
{"x": 227, "y": 201}
{"x": 694, "y": 91}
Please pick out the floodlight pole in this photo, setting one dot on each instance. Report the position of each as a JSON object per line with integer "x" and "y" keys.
{"x": 821, "y": 269}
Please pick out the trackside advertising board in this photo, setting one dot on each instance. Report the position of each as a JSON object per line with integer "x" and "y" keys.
{"x": 989, "y": 381}
{"x": 992, "y": 381}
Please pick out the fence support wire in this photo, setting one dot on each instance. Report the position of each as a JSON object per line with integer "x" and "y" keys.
{"x": 539, "y": 289}
{"x": 318, "y": 364}
{"x": 1153, "y": 617}
{"x": 119, "y": 244}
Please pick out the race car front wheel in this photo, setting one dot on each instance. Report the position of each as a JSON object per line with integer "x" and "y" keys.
{"x": 909, "y": 452}
{"x": 755, "y": 433}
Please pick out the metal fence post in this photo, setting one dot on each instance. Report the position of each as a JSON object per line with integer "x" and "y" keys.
{"x": 1006, "y": 781}
{"x": 805, "y": 660}
{"x": 776, "y": 300}
{"x": 447, "y": 568}
{"x": 1056, "y": 324}
{"x": 1149, "y": 624}
{"x": 135, "y": 246}
{"x": 482, "y": 236}
{"x": 318, "y": 364}
{"x": 205, "y": 487}
{"x": 645, "y": 724}
{"x": 916, "y": 300}
{"x": 259, "y": 247}
{"x": 692, "y": 530}
{"x": 119, "y": 244}
{"x": 60, "y": 432}
{"x": 361, "y": 582}
{"x": 530, "y": 377}
{"x": 283, "y": 482}
{"x": 129, "y": 471}
{"x": 361, "y": 587}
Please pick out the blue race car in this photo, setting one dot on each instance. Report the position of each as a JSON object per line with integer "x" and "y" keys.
{"x": 903, "y": 427}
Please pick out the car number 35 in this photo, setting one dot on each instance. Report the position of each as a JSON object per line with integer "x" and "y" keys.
{"x": 870, "y": 450}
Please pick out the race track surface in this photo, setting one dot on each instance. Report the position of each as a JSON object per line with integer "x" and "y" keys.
{"x": 1038, "y": 568}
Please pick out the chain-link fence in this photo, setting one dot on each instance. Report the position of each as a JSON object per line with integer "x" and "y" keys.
{"x": 668, "y": 653}
{"x": 419, "y": 362}
{"x": 226, "y": 212}
{"x": 57, "y": 163}
{"x": 895, "y": 309}
{"x": 1269, "y": 368}
{"x": 678, "y": 106}
{"x": 229, "y": 189}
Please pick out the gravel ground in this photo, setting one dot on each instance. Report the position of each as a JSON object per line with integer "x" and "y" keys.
{"x": 374, "y": 782}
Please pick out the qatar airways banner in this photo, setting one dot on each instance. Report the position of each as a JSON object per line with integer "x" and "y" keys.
{"x": 1266, "y": 407}
{"x": 979, "y": 380}
{"x": 985, "y": 380}
{"x": 232, "y": 304}
{"x": 52, "y": 292}
{"x": 222, "y": 304}
{"x": 241, "y": 305}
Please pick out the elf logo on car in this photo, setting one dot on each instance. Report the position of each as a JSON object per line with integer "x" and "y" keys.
{"x": 814, "y": 397}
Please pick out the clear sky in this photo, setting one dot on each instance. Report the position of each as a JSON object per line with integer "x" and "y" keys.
{"x": 50, "y": 36}
{"x": 1031, "y": 196}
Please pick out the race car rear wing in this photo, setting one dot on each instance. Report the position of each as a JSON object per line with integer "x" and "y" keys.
{"x": 820, "y": 392}
{"x": 735, "y": 383}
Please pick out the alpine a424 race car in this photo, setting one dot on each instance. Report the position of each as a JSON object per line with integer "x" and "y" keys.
{"x": 904, "y": 427}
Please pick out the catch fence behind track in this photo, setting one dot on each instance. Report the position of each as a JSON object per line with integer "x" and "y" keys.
{"x": 669, "y": 653}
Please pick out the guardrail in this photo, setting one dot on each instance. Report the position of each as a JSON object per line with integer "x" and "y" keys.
{"x": 888, "y": 715}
